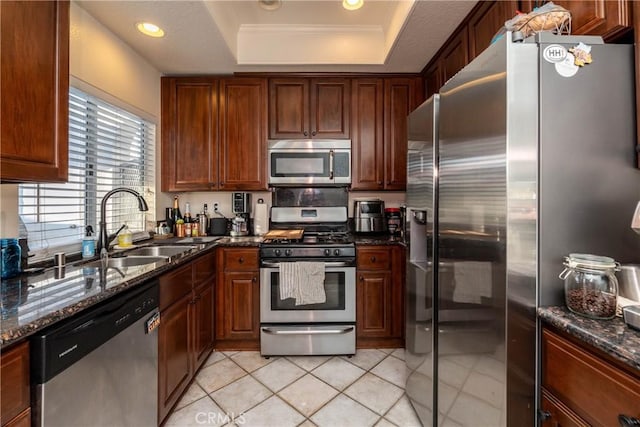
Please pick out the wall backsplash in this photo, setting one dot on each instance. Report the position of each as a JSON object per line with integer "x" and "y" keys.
{"x": 9, "y": 210}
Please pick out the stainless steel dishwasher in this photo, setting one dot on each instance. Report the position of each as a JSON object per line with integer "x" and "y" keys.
{"x": 100, "y": 368}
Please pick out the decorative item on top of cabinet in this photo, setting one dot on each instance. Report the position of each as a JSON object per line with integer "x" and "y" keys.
{"x": 237, "y": 299}
{"x": 14, "y": 389}
{"x": 610, "y": 19}
{"x": 580, "y": 387}
{"x": 185, "y": 335}
{"x": 380, "y": 296}
{"x": 34, "y": 75}
{"x": 301, "y": 108}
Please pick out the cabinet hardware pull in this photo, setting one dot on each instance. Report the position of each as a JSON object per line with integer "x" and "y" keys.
{"x": 241, "y": 260}
{"x": 305, "y": 133}
{"x": 379, "y": 182}
{"x": 313, "y": 133}
{"x": 254, "y": 279}
{"x": 627, "y": 421}
{"x": 221, "y": 183}
{"x": 361, "y": 279}
{"x": 373, "y": 259}
{"x": 544, "y": 415}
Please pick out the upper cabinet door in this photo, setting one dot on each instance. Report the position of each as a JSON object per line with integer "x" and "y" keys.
{"x": 301, "y": 108}
{"x": 367, "y": 143}
{"x": 330, "y": 103}
{"x": 401, "y": 96}
{"x": 243, "y": 142}
{"x": 456, "y": 55}
{"x": 34, "y": 79}
{"x": 189, "y": 134}
{"x": 485, "y": 22}
{"x": 289, "y": 108}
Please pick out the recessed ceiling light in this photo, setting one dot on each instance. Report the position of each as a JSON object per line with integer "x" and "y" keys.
{"x": 150, "y": 29}
{"x": 270, "y": 4}
{"x": 352, "y": 4}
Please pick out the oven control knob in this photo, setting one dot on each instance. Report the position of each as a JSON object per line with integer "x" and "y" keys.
{"x": 336, "y": 252}
{"x": 278, "y": 252}
{"x": 327, "y": 252}
{"x": 287, "y": 252}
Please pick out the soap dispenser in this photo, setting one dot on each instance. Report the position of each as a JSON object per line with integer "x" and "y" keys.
{"x": 88, "y": 243}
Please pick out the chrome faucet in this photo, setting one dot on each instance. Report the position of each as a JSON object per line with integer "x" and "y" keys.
{"x": 104, "y": 238}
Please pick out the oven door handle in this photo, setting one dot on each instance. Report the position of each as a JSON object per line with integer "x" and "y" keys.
{"x": 271, "y": 264}
{"x": 309, "y": 332}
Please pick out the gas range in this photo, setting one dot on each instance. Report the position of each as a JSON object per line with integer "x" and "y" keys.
{"x": 325, "y": 238}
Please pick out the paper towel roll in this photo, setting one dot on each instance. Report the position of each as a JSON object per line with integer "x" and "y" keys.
{"x": 260, "y": 219}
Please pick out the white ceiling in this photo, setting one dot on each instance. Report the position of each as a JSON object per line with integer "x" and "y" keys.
{"x": 227, "y": 36}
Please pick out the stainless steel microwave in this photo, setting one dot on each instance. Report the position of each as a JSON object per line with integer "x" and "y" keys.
{"x": 309, "y": 162}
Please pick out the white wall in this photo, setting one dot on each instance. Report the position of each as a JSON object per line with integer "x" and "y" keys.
{"x": 101, "y": 64}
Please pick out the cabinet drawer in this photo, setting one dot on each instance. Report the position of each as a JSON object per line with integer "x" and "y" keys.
{"x": 204, "y": 268}
{"x": 175, "y": 285}
{"x": 374, "y": 258}
{"x": 593, "y": 388}
{"x": 14, "y": 373}
{"x": 240, "y": 259}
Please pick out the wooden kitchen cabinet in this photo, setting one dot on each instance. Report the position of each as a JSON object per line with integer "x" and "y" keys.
{"x": 582, "y": 387}
{"x": 485, "y": 22}
{"x": 302, "y": 108}
{"x": 379, "y": 296}
{"x": 214, "y": 134}
{"x": 401, "y": 96}
{"x": 34, "y": 80}
{"x": 243, "y": 134}
{"x": 14, "y": 386}
{"x": 237, "y": 325}
{"x": 379, "y": 109}
{"x": 367, "y": 138}
{"x": 189, "y": 133}
{"x": 185, "y": 335}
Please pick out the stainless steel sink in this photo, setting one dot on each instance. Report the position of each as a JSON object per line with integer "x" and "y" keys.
{"x": 166, "y": 251}
{"x": 204, "y": 239}
{"x": 128, "y": 261}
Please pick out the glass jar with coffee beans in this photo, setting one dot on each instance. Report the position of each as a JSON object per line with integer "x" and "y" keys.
{"x": 590, "y": 285}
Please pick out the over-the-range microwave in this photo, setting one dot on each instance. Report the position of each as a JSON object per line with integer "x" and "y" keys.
{"x": 305, "y": 162}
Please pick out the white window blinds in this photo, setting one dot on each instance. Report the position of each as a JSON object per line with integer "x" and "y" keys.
{"x": 108, "y": 148}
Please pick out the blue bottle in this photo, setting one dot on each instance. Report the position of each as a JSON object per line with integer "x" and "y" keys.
{"x": 88, "y": 243}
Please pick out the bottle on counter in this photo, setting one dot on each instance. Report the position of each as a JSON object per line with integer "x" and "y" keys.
{"x": 88, "y": 243}
{"x": 187, "y": 220}
{"x": 175, "y": 215}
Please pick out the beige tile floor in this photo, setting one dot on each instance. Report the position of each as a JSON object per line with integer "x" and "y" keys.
{"x": 246, "y": 390}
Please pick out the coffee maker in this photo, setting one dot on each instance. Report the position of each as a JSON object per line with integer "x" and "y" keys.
{"x": 240, "y": 206}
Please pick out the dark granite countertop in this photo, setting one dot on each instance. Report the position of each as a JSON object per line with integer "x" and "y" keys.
{"x": 613, "y": 336}
{"x": 32, "y": 302}
{"x": 377, "y": 239}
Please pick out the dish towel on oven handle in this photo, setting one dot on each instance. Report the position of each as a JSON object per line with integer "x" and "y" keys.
{"x": 303, "y": 281}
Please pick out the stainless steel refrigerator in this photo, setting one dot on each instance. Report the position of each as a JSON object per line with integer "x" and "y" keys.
{"x": 532, "y": 159}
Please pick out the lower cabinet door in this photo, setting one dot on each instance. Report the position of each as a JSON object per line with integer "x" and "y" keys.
{"x": 555, "y": 414}
{"x": 202, "y": 324}
{"x": 373, "y": 310}
{"x": 174, "y": 364}
{"x": 242, "y": 316}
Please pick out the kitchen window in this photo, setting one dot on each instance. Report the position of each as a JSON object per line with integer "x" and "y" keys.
{"x": 109, "y": 147}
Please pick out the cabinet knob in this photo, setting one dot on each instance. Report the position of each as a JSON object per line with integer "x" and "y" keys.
{"x": 379, "y": 182}
{"x": 305, "y": 133}
{"x": 241, "y": 260}
{"x": 221, "y": 183}
{"x": 627, "y": 421}
{"x": 544, "y": 415}
{"x": 255, "y": 279}
{"x": 361, "y": 279}
{"x": 313, "y": 133}
{"x": 373, "y": 259}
